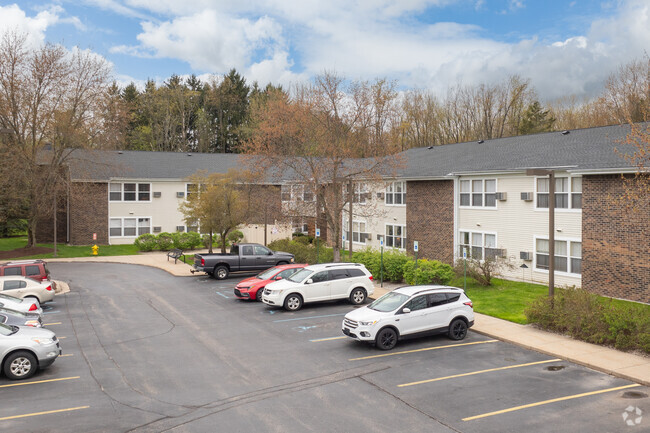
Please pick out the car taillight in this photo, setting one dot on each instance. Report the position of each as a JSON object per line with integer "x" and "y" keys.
{"x": 469, "y": 304}
{"x": 49, "y": 288}
{"x": 202, "y": 261}
{"x": 33, "y": 307}
{"x": 370, "y": 277}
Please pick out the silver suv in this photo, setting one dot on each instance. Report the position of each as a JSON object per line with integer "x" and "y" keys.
{"x": 411, "y": 311}
{"x": 321, "y": 282}
{"x": 23, "y": 350}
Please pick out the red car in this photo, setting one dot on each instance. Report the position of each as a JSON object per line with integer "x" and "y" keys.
{"x": 252, "y": 288}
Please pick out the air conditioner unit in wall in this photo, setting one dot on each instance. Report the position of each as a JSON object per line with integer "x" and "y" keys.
{"x": 525, "y": 255}
{"x": 157, "y": 229}
{"x": 156, "y": 194}
{"x": 180, "y": 194}
{"x": 527, "y": 196}
{"x": 501, "y": 196}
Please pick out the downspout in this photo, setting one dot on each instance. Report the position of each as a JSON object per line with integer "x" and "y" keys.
{"x": 456, "y": 216}
{"x": 67, "y": 216}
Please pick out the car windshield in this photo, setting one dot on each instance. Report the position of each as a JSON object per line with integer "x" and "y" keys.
{"x": 10, "y": 298}
{"x": 7, "y": 330}
{"x": 266, "y": 274}
{"x": 12, "y": 312}
{"x": 300, "y": 276}
{"x": 389, "y": 302}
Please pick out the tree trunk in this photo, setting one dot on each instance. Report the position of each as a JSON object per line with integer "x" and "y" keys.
{"x": 210, "y": 243}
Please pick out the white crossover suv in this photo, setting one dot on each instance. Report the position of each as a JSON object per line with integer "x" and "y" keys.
{"x": 322, "y": 282}
{"x": 411, "y": 311}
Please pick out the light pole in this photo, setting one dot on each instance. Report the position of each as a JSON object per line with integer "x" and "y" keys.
{"x": 551, "y": 223}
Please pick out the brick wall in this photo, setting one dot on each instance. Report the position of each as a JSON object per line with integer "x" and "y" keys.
{"x": 88, "y": 213}
{"x": 430, "y": 219}
{"x": 45, "y": 226}
{"x": 615, "y": 243}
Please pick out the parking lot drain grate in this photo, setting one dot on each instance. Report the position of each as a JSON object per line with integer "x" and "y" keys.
{"x": 555, "y": 367}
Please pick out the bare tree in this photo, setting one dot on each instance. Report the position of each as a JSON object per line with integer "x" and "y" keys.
{"x": 50, "y": 101}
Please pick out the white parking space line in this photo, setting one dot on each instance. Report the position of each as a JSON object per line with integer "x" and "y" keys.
{"x": 43, "y": 413}
{"x": 308, "y": 318}
{"x": 478, "y": 372}
{"x": 38, "y": 381}
{"x": 221, "y": 294}
{"x": 51, "y": 312}
{"x": 423, "y": 350}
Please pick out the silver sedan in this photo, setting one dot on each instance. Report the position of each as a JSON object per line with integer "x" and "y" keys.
{"x": 24, "y": 350}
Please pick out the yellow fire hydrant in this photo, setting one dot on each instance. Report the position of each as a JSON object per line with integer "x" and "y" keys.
{"x": 95, "y": 249}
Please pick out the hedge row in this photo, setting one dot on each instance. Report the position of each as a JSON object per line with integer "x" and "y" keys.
{"x": 594, "y": 319}
{"x": 398, "y": 267}
{"x": 167, "y": 241}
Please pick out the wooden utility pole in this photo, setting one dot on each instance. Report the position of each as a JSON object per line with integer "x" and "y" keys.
{"x": 350, "y": 199}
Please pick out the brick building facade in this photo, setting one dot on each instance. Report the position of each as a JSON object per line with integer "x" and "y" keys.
{"x": 430, "y": 219}
{"x": 616, "y": 243}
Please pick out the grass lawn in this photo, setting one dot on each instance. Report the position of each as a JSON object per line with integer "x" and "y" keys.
{"x": 503, "y": 299}
{"x": 67, "y": 251}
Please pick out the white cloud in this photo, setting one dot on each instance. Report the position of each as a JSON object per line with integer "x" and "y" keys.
{"x": 12, "y": 18}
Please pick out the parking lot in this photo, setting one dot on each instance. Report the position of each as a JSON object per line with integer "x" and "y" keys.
{"x": 144, "y": 351}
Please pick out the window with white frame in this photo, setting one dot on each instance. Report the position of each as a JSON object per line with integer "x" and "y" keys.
{"x": 297, "y": 192}
{"x": 478, "y": 193}
{"x": 298, "y": 225}
{"x": 395, "y": 236}
{"x": 193, "y": 188}
{"x": 568, "y": 192}
{"x": 129, "y": 227}
{"x": 478, "y": 245}
{"x": 129, "y": 191}
{"x": 359, "y": 234}
{"x": 568, "y": 255}
{"x": 396, "y": 194}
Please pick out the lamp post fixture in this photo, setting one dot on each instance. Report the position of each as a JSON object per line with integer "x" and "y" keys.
{"x": 551, "y": 223}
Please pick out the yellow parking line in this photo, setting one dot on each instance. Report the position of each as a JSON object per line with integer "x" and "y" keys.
{"x": 555, "y": 400}
{"x": 67, "y": 354}
{"x": 38, "y": 381}
{"x": 49, "y": 324}
{"x": 328, "y": 339}
{"x": 61, "y": 338}
{"x": 43, "y": 413}
{"x": 477, "y": 372}
{"x": 423, "y": 350}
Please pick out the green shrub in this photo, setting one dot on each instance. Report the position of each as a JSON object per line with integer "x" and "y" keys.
{"x": 146, "y": 242}
{"x": 591, "y": 318}
{"x": 394, "y": 261}
{"x": 427, "y": 272}
{"x": 303, "y": 238}
{"x": 233, "y": 237}
{"x": 304, "y": 253}
{"x": 165, "y": 241}
{"x": 186, "y": 240}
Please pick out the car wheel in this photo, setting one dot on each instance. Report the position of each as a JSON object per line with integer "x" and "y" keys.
{"x": 293, "y": 302}
{"x": 282, "y": 263}
{"x": 258, "y": 295}
{"x": 386, "y": 339}
{"x": 20, "y": 365}
{"x": 458, "y": 329}
{"x": 357, "y": 296}
{"x": 220, "y": 273}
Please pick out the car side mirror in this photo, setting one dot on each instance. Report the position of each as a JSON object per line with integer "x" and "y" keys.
{"x": 278, "y": 278}
{"x": 406, "y": 310}
{"x": 309, "y": 281}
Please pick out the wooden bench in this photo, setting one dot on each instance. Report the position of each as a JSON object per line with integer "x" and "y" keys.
{"x": 175, "y": 254}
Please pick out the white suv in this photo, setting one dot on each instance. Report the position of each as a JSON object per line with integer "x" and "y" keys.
{"x": 321, "y": 282}
{"x": 411, "y": 311}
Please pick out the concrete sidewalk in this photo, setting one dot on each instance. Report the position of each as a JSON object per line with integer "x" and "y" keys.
{"x": 625, "y": 365}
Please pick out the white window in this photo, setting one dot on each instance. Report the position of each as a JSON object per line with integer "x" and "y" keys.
{"x": 294, "y": 193}
{"x": 568, "y": 192}
{"x": 478, "y": 245}
{"x": 568, "y": 255}
{"x": 129, "y": 191}
{"x": 395, "y": 236}
{"x": 129, "y": 227}
{"x": 396, "y": 194}
{"x": 298, "y": 225}
{"x": 478, "y": 193}
{"x": 359, "y": 234}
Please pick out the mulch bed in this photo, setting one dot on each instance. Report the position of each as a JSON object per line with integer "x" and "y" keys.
{"x": 24, "y": 252}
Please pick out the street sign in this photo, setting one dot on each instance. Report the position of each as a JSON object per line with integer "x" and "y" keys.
{"x": 343, "y": 236}
{"x": 415, "y": 246}
{"x": 94, "y": 236}
{"x": 464, "y": 254}
{"x": 381, "y": 242}
{"x": 317, "y": 233}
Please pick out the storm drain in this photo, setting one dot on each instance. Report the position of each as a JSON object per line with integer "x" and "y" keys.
{"x": 555, "y": 367}
{"x": 634, "y": 394}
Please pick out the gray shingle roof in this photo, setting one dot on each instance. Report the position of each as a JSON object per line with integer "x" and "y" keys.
{"x": 581, "y": 149}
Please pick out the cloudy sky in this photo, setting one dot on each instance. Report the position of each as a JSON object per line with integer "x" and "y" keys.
{"x": 563, "y": 47}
